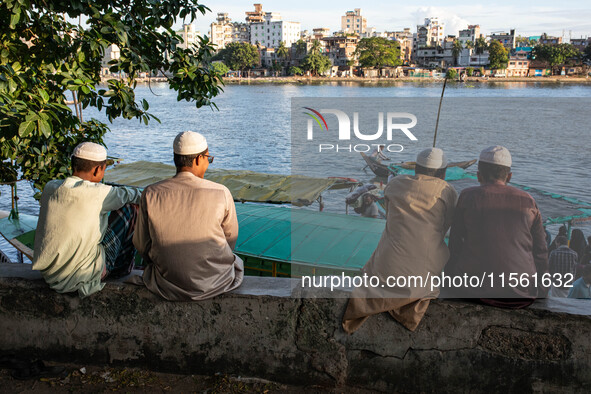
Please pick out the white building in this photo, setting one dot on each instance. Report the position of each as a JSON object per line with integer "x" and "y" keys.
{"x": 189, "y": 35}
{"x": 112, "y": 52}
{"x": 273, "y": 30}
{"x": 431, "y": 33}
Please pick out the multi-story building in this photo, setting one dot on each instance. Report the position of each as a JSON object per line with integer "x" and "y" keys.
{"x": 112, "y": 52}
{"x": 256, "y": 16}
{"x": 353, "y": 22}
{"x": 340, "y": 50}
{"x": 430, "y": 34}
{"x": 224, "y": 31}
{"x": 507, "y": 39}
{"x": 472, "y": 33}
{"x": 549, "y": 40}
{"x": 273, "y": 31}
{"x": 405, "y": 39}
{"x": 189, "y": 35}
{"x": 580, "y": 43}
{"x": 320, "y": 32}
{"x": 518, "y": 66}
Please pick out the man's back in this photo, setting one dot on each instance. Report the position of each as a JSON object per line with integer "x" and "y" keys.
{"x": 497, "y": 229}
{"x": 187, "y": 229}
{"x": 419, "y": 212}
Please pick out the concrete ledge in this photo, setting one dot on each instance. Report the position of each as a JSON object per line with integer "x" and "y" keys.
{"x": 262, "y": 331}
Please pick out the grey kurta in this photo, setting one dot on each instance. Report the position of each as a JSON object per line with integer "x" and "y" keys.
{"x": 186, "y": 231}
{"x": 419, "y": 213}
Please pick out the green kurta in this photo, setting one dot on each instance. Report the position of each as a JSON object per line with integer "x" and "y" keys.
{"x": 72, "y": 222}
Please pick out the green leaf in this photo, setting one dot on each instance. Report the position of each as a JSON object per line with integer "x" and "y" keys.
{"x": 26, "y": 128}
{"x": 15, "y": 18}
{"x": 45, "y": 128}
{"x": 44, "y": 95}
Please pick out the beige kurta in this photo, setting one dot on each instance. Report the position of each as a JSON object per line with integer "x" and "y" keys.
{"x": 419, "y": 213}
{"x": 186, "y": 231}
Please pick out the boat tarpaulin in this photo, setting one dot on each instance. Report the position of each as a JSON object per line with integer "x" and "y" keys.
{"x": 244, "y": 185}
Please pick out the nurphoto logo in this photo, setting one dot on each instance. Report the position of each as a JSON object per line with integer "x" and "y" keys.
{"x": 396, "y": 123}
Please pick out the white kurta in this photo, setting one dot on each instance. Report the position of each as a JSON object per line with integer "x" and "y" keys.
{"x": 419, "y": 213}
{"x": 186, "y": 231}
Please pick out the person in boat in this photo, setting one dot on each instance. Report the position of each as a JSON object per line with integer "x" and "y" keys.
{"x": 578, "y": 243}
{"x": 562, "y": 261}
{"x": 582, "y": 286}
{"x": 368, "y": 208}
{"x": 562, "y": 232}
{"x": 187, "y": 229}
{"x": 419, "y": 210}
{"x": 85, "y": 228}
{"x": 497, "y": 230}
{"x": 378, "y": 154}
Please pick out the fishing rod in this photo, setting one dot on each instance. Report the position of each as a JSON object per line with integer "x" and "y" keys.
{"x": 439, "y": 111}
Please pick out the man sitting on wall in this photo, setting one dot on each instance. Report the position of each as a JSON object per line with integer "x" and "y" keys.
{"x": 187, "y": 228}
{"x": 85, "y": 228}
{"x": 497, "y": 232}
{"x": 419, "y": 209}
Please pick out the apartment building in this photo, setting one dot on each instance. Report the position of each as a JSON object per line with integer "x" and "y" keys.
{"x": 353, "y": 22}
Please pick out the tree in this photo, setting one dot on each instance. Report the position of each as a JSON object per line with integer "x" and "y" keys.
{"x": 316, "y": 63}
{"x": 456, "y": 50}
{"x": 555, "y": 55}
{"x": 452, "y": 73}
{"x": 480, "y": 45}
{"x": 220, "y": 68}
{"x": 469, "y": 44}
{"x": 45, "y": 59}
{"x": 469, "y": 71}
{"x": 295, "y": 71}
{"x": 239, "y": 56}
{"x": 282, "y": 52}
{"x": 498, "y": 55}
{"x": 378, "y": 52}
{"x": 315, "y": 47}
{"x": 587, "y": 53}
{"x": 301, "y": 47}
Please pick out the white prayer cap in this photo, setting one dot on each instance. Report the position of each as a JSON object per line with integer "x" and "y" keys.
{"x": 497, "y": 154}
{"x": 432, "y": 158}
{"x": 189, "y": 143}
{"x": 90, "y": 151}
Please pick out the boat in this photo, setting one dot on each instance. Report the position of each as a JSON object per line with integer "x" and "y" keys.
{"x": 381, "y": 170}
{"x": 410, "y": 165}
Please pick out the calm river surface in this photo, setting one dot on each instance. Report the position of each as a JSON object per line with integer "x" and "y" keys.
{"x": 252, "y": 130}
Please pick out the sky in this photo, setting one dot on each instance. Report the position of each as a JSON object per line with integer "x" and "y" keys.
{"x": 570, "y": 18}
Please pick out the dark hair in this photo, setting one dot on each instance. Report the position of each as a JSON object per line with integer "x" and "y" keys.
{"x": 186, "y": 160}
{"x": 561, "y": 240}
{"x": 434, "y": 172}
{"x": 577, "y": 242}
{"x": 587, "y": 270}
{"x": 84, "y": 165}
{"x": 493, "y": 172}
{"x": 562, "y": 230}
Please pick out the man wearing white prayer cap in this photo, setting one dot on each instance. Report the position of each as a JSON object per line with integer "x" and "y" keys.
{"x": 497, "y": 230}
{"x": 419, "y": 210}
{"x": 85, "y": 227}
{"x": 187, "y": 229}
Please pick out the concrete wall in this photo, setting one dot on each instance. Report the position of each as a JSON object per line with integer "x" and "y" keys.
{"x": 263, "y": 331}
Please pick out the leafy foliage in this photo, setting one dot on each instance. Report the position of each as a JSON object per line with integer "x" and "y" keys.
{"x": 378, "y": 52}
{"x": 220, "y": 68}
{"x": 239, "y": 56}
{"x": 452, "y": 73}
{"x": 45, "y": 58}
{"x": 456, "y": 50}
{"x": 555, "y": 54}
{"x": 469, "y": 71}
{"x": 498, "y": 56}
{"x": 316, "y": 63}
{"x": 481, "y": 45}
{"x": 295, "y": 71}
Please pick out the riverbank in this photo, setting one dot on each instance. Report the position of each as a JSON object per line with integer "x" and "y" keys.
{"x": 300, "y": 80}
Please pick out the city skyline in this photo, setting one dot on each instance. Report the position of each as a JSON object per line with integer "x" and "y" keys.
{"x": 571, "y": 20}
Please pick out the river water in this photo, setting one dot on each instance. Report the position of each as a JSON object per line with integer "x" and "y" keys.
{"x": 547, "y": 127}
